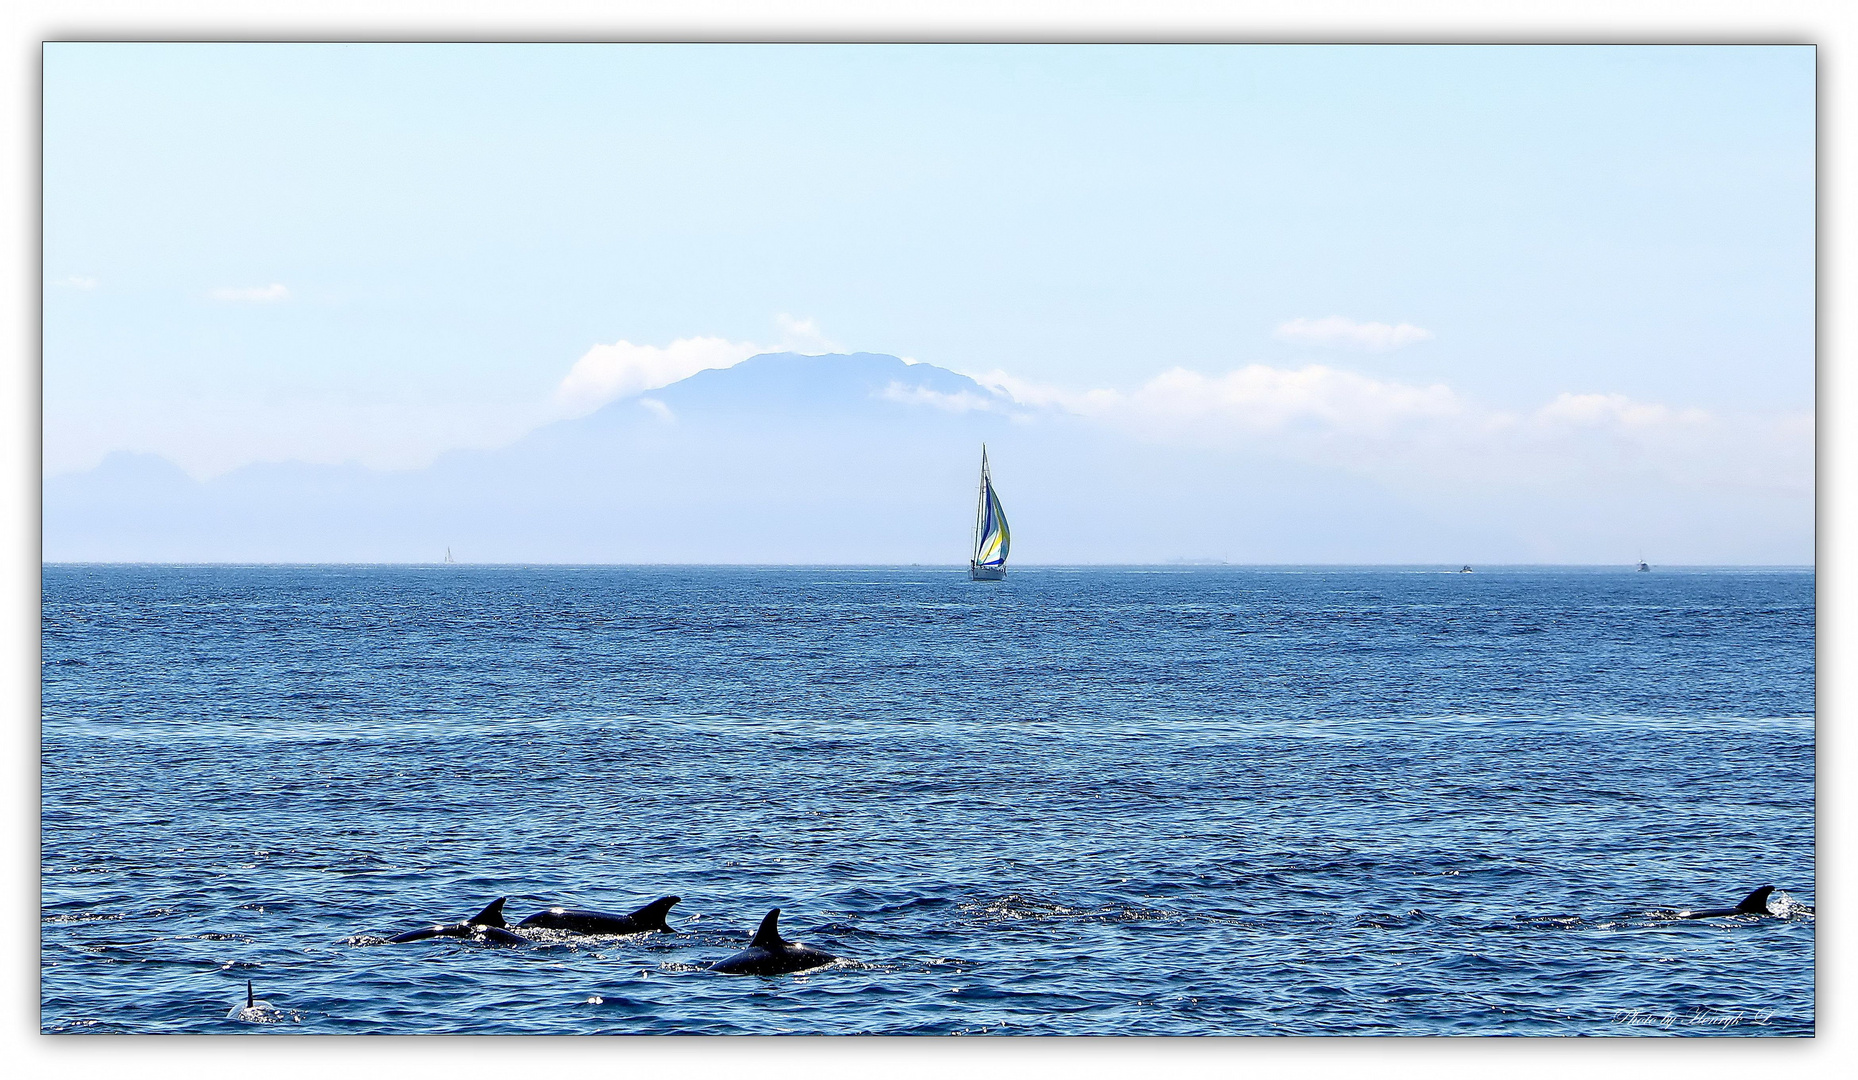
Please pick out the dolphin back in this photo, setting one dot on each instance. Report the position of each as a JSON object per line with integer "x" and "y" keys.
{"x": 770, "y": 954}
{"x": 496, "y": 935}
{"x": 423, "y": 933}
{"x": 491, "y": 917}
{"x": 648, "y": 918}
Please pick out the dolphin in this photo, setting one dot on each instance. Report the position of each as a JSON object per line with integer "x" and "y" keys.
{"x": 769, "y": 954}
{"x": 253, "y": 1009}
{"x": 1755, "y": 903}
{"x": 486, "y": 926}
{"x": 649, "y": 917}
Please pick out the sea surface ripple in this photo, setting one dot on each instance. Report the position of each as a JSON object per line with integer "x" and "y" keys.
{"x": 1097, "y": 801}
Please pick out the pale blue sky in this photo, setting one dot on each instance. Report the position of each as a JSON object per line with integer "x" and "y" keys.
{"x": 454, "y": 226}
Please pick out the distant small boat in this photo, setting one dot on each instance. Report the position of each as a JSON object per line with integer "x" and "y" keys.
{"x": 991, "y": 539}
{"x": 1464, "y": 569}
{"x": 1643, "y": 568}
{"x": 448, "y": 556}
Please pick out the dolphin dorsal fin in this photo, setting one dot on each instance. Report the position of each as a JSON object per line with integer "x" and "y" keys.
{"x": 492, "y": 915}
{"x": 768, "y": 936}
{"x": 250, "y": 1000}
{"x": 651, "y": 916}
{"x": 1755, "y": 903}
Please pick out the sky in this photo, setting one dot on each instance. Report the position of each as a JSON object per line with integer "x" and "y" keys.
{"x": 1384, "y": 259}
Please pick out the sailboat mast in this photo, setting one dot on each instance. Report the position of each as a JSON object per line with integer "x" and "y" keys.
{"x": 980, "y": 508}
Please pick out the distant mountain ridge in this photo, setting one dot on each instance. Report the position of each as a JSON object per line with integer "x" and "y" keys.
{"x": 835, "y": 459}
{"x": 755, "y": 456}
{"x": 797, "y": 379}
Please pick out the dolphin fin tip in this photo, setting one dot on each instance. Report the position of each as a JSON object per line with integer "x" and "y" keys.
{"x": 492, "y": 915}
{"x": 1756, "y": 903}
{"x": 768, "y": 935}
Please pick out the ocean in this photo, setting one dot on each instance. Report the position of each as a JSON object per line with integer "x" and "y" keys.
{"x": 1141, "y": 801}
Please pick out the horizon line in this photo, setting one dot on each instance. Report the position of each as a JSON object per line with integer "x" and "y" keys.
{"x": 954, "y": 566}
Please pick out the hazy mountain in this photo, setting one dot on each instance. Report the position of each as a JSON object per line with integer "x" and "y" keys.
{"x": 781, "y": 458}
{"x": 804, "y": 459}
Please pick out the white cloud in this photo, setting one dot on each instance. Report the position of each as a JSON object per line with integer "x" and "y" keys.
{"x": 803, "y": 336}
{"x": 1256, "y": 398}
{"x": 659, "y": 409}
{"x": 1338, "y": 332}
{"x": 1615, "y": 411}
{"x": 609, "y": 372}
{"x": 78, "y": 281}
{"x": 963, "y": 401}
{"x": 257, "y": 294}
{"x": 1045, "y": 395}
{"x": 1431, "y": 437}
{"x": 1261, "y": 399}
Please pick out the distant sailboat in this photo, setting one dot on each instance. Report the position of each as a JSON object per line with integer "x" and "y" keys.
{"x": 448, "y": 556}
{"x": 991, "y": 538}
{"x": 1643, "y": 567}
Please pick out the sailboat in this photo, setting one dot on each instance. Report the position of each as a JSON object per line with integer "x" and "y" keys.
{"x": 991, "y": 538}
{"x": 448, "y": 556}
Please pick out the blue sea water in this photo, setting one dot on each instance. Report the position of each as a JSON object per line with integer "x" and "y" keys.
{"x": 1093, "y": 801}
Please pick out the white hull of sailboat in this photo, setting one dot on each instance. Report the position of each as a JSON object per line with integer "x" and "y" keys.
{"x": 986, "y": 573}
